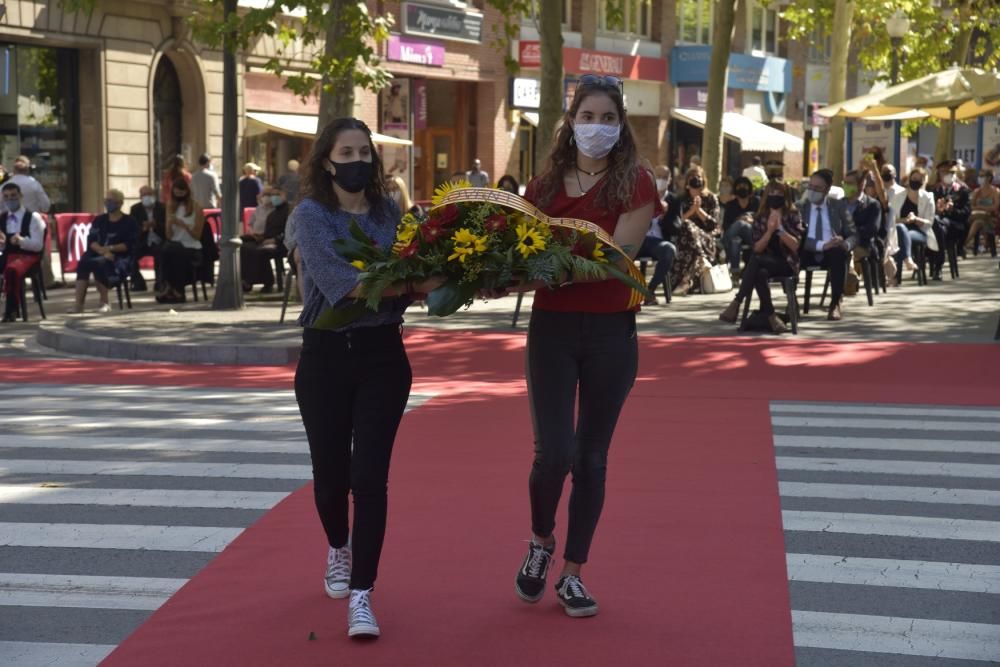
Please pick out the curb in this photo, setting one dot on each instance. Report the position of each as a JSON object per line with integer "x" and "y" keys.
{"x": 58, "y": 337}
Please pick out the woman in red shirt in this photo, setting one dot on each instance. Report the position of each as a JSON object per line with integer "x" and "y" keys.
{"x": 582, "y": 335}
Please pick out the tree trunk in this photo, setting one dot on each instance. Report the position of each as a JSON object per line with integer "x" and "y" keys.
{"x": 550, "y": 108}
{"x": 959, "y": 56}
{"x": 228, "y": 291}
{"x": 718, "y": 75}
{"x": 339, "y": 101}
{"x": 843, "y": 18}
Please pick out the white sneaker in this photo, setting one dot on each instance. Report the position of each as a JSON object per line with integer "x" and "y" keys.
{"x": 105, "y": 308}
{"x": 338, "y": 572}
{"x": 361, "y": 623}
{"x": 909, "y": 265}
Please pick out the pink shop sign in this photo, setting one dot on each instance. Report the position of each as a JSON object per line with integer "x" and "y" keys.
{"x": 416, "y": 52}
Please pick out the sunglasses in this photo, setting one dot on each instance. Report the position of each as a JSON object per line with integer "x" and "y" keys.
{"x": 595, "y": 80}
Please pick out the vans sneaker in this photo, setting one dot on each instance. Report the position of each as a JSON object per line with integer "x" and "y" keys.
{"x": 530, "y": 582}
{"x": 361, "y": 623}
{"x": 574, "y": 597}
{"x": 338, "y": 572}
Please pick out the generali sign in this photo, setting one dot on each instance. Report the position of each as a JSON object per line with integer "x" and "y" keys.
{"x": 604, "y": 63}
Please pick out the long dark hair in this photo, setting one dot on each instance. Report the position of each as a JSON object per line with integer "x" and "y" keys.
{"x": 318, "y": 183}
{"x": 774, "y": 186}
{"x": 188, "y": 201}
{"x": 617, "y": 188}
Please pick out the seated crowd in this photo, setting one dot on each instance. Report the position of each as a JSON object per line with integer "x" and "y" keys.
{"x": 872, "y": 227}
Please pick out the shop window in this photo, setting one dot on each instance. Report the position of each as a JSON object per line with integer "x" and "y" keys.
{"x": 820, "y": 46}
{"x": 694, "y": 21}
{"x": 531, "y": 16}
{"x": 633, "y": 18}
{"x": 762, "y": 29}
{"x": 39, "y": 117}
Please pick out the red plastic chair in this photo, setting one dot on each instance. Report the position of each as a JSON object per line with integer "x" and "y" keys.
{"x": 247, "y": 215}
{"x": 72, "y": 230}
{"x": 213, "y": 218}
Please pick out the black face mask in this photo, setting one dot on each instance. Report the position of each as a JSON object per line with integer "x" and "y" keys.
{"x": 886, "y": 178}
{"x": 915, "y": 185}
{"x": 775, "y": 201}
{"x": 742, "y": 193}
{"x": 353, "y": 176}
{"x": 696, "y": 183}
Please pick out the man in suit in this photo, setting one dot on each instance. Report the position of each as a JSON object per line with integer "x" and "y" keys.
{"x": 151, "y": 215}
{"x": 830, "y": 236}
{"x": 951, "y": 222}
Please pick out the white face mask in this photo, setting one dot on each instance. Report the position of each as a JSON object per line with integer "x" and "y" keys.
{"x": 817, "y": 198}
{"x": 148, "y": 201}
{"x": 662, "y": 184}
{"x": 948, "y": 179}
{"x": 595, "y": 140}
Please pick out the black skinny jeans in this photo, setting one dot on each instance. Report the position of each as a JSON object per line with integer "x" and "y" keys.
{"x": 599, "y": 354}
{"x": 758, "y": 271}
{"x": 352, "y": 388}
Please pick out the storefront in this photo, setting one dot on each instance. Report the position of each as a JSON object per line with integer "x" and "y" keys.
{"x": 445, "y": 97}
{"x": 756, "y": 94}
{"x": 39, "y": 117}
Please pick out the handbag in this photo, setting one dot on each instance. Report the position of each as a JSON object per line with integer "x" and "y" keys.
{"x": 715, "y": 279}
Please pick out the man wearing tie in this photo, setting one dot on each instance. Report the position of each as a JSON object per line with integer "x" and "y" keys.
{"x": 830, "y": 236}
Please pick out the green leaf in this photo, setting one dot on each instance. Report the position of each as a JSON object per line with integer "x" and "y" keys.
{"x": 335, "y": 318}
{"x": 451, "y": 296}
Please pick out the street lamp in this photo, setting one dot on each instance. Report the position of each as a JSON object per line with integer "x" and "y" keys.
{"x": 897, "y": 26}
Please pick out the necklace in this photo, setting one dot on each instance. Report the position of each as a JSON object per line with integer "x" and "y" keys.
{"x": 579, "y": 183}
{"x": 593, "y": 173}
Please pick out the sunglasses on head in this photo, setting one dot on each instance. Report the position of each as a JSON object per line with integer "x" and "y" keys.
{"x": 595, "y": 80}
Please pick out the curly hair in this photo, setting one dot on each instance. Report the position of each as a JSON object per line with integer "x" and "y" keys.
{"x": 617, "y": 189}
{"x": 318, "y": 184}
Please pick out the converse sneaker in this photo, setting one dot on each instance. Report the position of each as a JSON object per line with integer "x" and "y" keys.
{"x": 361, "y": 623}
{"x": 530, "y": 582}
{"x": 574, "y": 597}
{"x": 338, "y": 572}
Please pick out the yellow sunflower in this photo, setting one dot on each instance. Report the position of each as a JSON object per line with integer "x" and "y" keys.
{"x": 442, "y": 190}
{"x": 598, "y": 254}
{"x": 466, "y": 245}
{"x": 529, "y": 239}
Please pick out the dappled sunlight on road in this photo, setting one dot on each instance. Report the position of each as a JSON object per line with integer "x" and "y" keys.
{"x": 818, "y": 354}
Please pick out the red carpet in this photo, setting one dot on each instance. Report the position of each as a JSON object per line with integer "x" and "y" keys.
{"x": 688, "y": 563}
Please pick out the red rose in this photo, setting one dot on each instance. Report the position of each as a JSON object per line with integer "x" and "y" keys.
{"x": 431, "y": 231}
{"x": 410, "y": 250}
{"x": 497, "y": 222}
{"x": 445, "y": 216}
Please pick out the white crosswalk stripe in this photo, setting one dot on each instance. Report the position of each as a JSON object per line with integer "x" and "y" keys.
{"x": 187, "y": 468}
{"x": 894, "y": 540}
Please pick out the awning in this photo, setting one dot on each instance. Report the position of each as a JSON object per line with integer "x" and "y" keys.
{"x": 302, "y": 125}
{"x": 751, "y": 135}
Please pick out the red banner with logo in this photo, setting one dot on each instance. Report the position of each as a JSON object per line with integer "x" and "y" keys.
{"x": 605, "y": 63}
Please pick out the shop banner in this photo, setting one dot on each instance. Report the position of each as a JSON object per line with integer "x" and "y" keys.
{"x": 442, "y": 22}
{"x": 406, "y": 50}
{"x": 525, "y": 93}
{"x": 689, "y": 65}
{"x": 604, "y": 63}
{"x": 419, "y": 104}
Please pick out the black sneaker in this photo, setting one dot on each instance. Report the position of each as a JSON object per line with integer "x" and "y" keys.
{"x": 530, "y": 582}
{"x": 574, "y": 597}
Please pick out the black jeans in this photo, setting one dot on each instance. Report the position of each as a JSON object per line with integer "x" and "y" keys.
{"x": 352, "y": 389}
{"x": 833, "y": 260}
{"x": 597, "y": 353}
{"x": 177, "y": 264}
{"x": 758, "y": 270}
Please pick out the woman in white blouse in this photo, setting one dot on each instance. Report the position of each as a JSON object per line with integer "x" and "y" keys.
{"x": 185, "y": 221}
{"x": 911, "y": 213}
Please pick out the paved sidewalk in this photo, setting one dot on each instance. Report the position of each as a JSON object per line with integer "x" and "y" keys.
{"x": 962, "y": 311}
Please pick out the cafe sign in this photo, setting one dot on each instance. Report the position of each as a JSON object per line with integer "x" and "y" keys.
{"x": 442, "y": 22}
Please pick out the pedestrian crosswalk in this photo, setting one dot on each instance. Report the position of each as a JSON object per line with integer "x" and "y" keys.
{"x": 891, "y": 516}
{"x": 112, "y": 497}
